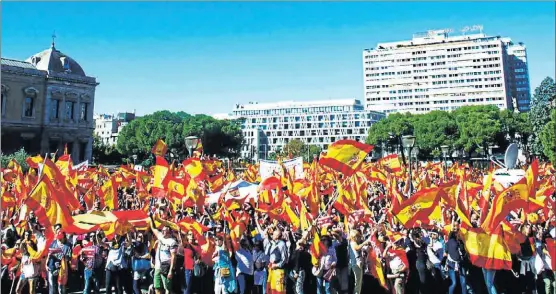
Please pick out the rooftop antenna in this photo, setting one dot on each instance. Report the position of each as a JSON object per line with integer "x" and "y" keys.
{"x": 53, "y": 38}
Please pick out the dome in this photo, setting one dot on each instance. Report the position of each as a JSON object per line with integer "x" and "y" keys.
{"x": 53, "y": 60}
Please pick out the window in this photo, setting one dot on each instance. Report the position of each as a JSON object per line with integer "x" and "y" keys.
{"x": 55, "y": 109}
{"x": 83, "y": 114}
{"x": 28, "y": 108}
{"x": 69, "y": 109}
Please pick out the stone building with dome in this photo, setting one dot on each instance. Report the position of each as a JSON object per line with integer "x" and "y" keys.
{"x": 47, "y": 103}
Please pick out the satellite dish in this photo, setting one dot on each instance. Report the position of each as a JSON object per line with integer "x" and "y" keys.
{"x": 510, "y": 158}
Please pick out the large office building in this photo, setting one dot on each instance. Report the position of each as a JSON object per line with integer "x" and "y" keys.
{"x": 437, "y": 71}
{"x": 109, "y": 126}
{"x": 47, "y": 103}
{"x": 268, "y": 127}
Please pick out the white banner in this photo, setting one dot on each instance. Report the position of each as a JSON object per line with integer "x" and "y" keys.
{"x": 82, "y": 166}
{"x": 269, "y": 168}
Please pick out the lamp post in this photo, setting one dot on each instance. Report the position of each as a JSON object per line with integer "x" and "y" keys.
{"x": 415, "y": 153}
{"x": 134, "y": 156}
{"x": 445, "y": 149}
{"x": 190, "y": 143}
{"x": 481, "y": 150}
{"x": 408, "y": 142}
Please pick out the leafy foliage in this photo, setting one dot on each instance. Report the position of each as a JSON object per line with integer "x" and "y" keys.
{"x": 542, "y": 102}
{"x": 104, "y": 153}
{"x": 219, "y": 137}
{"x": 296, "y": 148}
{"x": 19, "y": 156}
{"x": 467, "y": 128}
{"x": 548, "y": 138}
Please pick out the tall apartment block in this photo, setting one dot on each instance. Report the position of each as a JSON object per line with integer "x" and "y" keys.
{"x": 435, "y": 71}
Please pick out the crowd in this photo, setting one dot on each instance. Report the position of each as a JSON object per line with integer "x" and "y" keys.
{"x": 278, "y": 242}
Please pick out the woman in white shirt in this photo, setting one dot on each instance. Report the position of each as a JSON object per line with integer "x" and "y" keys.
{"x": 29, "y": 270}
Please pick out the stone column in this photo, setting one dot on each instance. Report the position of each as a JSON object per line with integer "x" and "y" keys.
{"x": 89, "y": 150}
{"x": 76, "y": 151}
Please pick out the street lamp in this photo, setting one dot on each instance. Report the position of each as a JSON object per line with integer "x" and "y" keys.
{"x": 408, "y": 142}
{"x": 190, "y": 143}
{"x": 445, "y": 149}
{"x": 134, "y": 156}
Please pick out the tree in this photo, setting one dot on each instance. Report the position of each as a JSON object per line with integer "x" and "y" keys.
{"x": 219, "y": 137}
{"x": 542, "y": 102}
{"x": 104, "y": 153}
{"x": 477, "y": 126}
{"x": 297, "y": 148}
{"x": 548, "y": 138}
{"x": 516, "y": 126}
{"x": 433, "y": 130}
{"x": 20, "y": 156}
{"x": 293, "y": 148}
{"x": 389, "y": 131}
{"x": 139, "y": 136}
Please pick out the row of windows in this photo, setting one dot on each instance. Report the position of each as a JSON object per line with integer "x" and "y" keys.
{"x": 69, "y": 108}
{"x": 293, "y": 110}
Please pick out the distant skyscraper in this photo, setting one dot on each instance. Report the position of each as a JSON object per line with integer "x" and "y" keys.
{"x": 435, "y": 71}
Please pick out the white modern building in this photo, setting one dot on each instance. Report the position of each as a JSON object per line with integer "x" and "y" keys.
{"x": 268, "y": 127}
{"x": 436, "y": 71}
{"x": 108, "y": 126}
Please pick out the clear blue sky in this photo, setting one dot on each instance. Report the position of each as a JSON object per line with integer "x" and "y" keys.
{"x": 205, "y": 57}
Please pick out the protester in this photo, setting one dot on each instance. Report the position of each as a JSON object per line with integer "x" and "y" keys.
{"x": 132, "y": 234}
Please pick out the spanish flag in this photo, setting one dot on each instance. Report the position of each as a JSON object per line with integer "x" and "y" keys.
{"x": 160, "y": 170}
{"x": 486, "y": 250}
{"x": 48, "y": 206}
{"x": 419, "y": 207}
{"x": 345, "y": 156}
{"x": 194, "y": 168}
{"x": 34, "y": 161}
{"x": 317, "y": 249}
{"x": 109, "y": 194}
{"x": 160, "y": 148}
{"x": 391, "y": 163}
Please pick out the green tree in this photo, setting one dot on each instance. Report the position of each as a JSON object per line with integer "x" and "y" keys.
{"x": 477, "y": 126}
{"x": 516, "y": 126}
{"x": 105, "y": 154}
{"x": 433, "y": 130}
{"x": 139, "y": 136}
{"x": 219, "y": 137}
{"x": 548, "y": 138}
{"x": 389, "y": 131}
{"x": 294, "y": 148}
{"x": 20, "y": 156}
{"x": 297, "y": 148}
{"x": 539, "y": 115}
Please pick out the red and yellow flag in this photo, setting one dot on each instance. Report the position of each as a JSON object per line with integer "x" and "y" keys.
{"x": 160, "y": 148}
{"x": 486, "y": 250}
{"x": 345, "y": 156}
{"x": 419, "y": 207}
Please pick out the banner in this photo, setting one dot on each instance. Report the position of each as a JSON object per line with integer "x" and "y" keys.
{"x": 269, "y": 168}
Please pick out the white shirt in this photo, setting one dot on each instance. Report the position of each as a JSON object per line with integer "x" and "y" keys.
{"x": 433, "y": 256}
{"x": 29, "y": 269}
{"x": 245, "y": 264}
{"x": 164, "y": 251}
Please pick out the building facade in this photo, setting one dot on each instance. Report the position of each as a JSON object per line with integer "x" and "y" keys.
{"x": 47, "y": 103}
{"x": 435, "y": 71}
{"x": 268, "y": 127}
{"x": 107, "y": 127}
